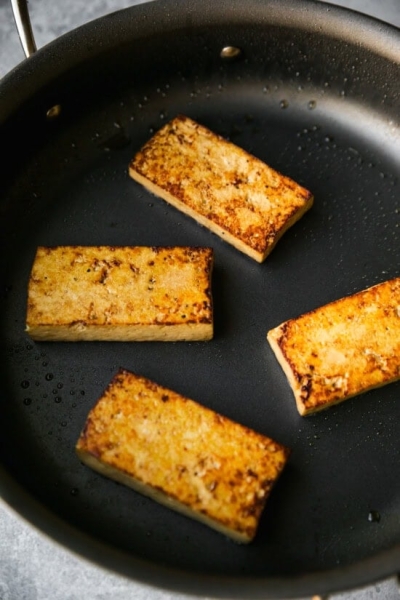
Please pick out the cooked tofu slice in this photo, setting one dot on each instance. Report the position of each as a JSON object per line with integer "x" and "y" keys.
{"x": 342, "y": 349}
{"x": 181, "y": 454}
{"x": 224, "y": 188}
{"x": 120, "y": 293}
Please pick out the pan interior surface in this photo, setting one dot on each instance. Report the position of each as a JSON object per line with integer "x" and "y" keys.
{"x": 316, "y": 108}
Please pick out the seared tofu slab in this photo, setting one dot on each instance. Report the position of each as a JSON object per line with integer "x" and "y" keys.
{"x": 181, "y": 454}
{"x": 120, "y": 294}
{"x": 224, "y": 188}
{"x": 342, "y": 349}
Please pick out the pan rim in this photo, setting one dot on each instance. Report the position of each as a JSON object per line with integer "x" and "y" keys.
{"x": 321, "y": 582}
{"x": 117, "y": 27}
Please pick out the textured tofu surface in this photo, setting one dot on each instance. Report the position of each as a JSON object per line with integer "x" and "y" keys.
{"x": 224, "y": 188}
{"x": 342, "y": 349}
{"x": 120, "y": 293}
{"x": 181, "y": 454}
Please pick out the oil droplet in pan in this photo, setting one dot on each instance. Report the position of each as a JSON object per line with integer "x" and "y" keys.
{"x": 374, "y": 516}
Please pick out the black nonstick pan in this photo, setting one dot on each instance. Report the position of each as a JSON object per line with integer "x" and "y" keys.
{"x": 311, "y": 89}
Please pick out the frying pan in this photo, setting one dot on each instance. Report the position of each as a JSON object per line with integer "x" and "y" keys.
{"x": 313, "y": 90}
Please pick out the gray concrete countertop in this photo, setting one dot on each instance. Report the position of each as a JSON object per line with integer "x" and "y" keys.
{"x": 32, "y": 566}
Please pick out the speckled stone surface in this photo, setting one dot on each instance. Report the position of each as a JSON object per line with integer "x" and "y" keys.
{"x": 33, "y": 567}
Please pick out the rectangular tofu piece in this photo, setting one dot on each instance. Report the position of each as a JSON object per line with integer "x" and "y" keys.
{"x": 342, "y": 349}
{"x": 181, "y": 454}
{"x": 234, "y": 194}
{"x": 104, "y": 293}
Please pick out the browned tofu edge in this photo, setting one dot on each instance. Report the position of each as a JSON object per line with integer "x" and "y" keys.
{"x": 92, "y": 459}
{"x": 275, "y": 336}
{"x": 86, "y": 330}
{"x": 263, "y": 248}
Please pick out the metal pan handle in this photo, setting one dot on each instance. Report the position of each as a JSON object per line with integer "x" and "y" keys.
{"x": 24, "y": 27}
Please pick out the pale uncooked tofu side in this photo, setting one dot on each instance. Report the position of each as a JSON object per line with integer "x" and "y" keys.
{"x": 213, "y": 469}
{"x": 221, "y": 186}
{"x": 104, "y": 293}
{"x": 342, "y": 349}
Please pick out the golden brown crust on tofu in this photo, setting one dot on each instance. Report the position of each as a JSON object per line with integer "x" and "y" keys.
{"x": 120, "y": 293}
{"x": 181, "y": 454}
{"x": 224, "y": 188}
{"x": 342, "y": 349}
